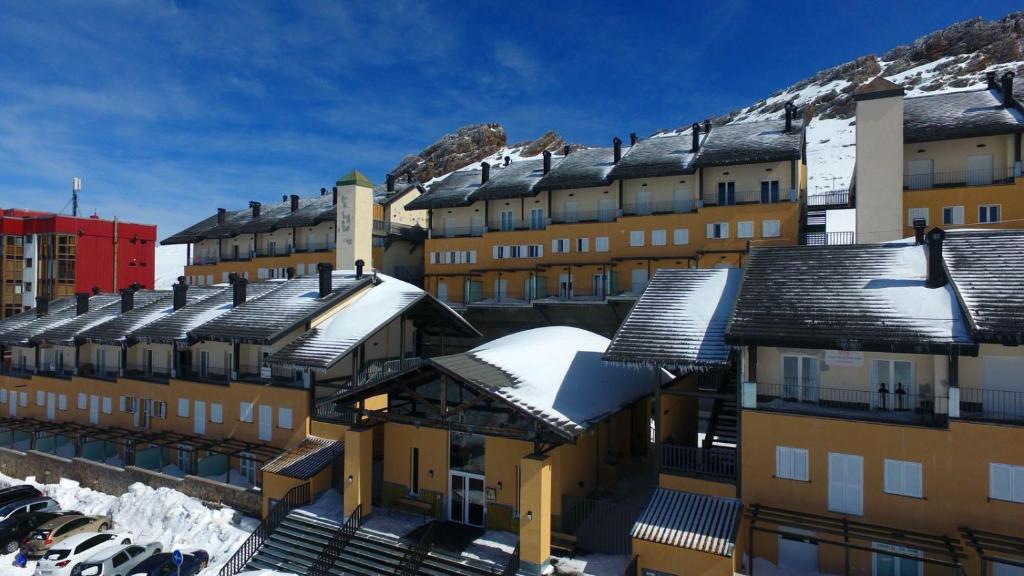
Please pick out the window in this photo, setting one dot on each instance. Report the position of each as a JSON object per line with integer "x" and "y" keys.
{"x": 745, "y": 229}
{"x": 791, "y": 463}
{"x": 519, "y": 486}
{"x": 636, "y": 238}
{"x": 62, "y": 402}
{"x": 247, "y": 467}
{"x": 583, "y": 244}
{"x": 40, "y": 398}
{"x": 915, "y": 213}
{"x": 535, "y": 251}
{"x": 537, "y": 219}
{"x": 507, "y": 222}
{"x": 217, "y": 413}
{"x": 601, "y": 244}
{"x": 185, "y": 458}
{"x": 1006, "y": 482}
{"x": 414, "y": 471}
{"x": 284, "y": 418}
{"x": 903, "y": 478}
{"x": 988, "y": 214}
{"x": 658, "y": 238}
{"x": 769, "y": 191}
{"x": 560, "y": 246}
{"x": 499, "y": 252}
{"x": 28, "y": 262}
{"x": 718, "y": 230}
{"x": 953, "y": 215}
{"x": 892, "y": 382}
{"x": 681, "y": 236}
{"x": 23, "y": 399}
{"x": 845, "y": 483}
{"x": 726, "y": 193}
{"x": 800, "y": 378}
{"x": 82, "y": 401}
{"x": 108, "y": 405}
{"x": 770, "y": 229}
{"x": 182, "y": 407}
{"x": 888, "y": 565}
{"x": 516, "y": 251}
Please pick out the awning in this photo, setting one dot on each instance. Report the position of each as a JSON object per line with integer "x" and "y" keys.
{"x": 307, "y": 459}
{"x": 686, "y": 520}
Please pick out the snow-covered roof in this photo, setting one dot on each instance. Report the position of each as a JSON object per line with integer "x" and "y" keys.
{"x": 859, "y": 297}
{"x": 659, "y": 156}
{"x": 584, "y": 168}
{"x": 120, "y": 328}
{"x": 986, "y": 268}
{"x": 57, "y": 324}
{"x": 751, "y": 142}
{"x": 516, "y": 180}
{"x": 454, "y": 190}
{"x": 958, "y": 115}
{"x": 688, "y": 520}
{"x": 556, "y": 374}
{"x": 28, "y": 317}
{"x": 679, "y": 320}
{"x": 175, "y": 326}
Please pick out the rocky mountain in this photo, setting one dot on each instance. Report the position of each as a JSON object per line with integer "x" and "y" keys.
{"x": 471, "y": 144}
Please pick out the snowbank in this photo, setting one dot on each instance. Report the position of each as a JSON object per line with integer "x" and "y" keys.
{"x": 170, "y": 263}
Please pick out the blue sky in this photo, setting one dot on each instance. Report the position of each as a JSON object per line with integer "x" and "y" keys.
{"x": 168, "y": 110}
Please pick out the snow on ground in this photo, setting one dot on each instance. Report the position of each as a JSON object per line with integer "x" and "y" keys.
{"x": 593, "y": 565}
{"x": 831, "y": 155}
{"x": 151, "y": 515}
{"x": 841, "y": 220}
{"x": 170, "y": 263}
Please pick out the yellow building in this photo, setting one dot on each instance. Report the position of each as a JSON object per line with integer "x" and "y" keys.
{"x": 596, "y": 224}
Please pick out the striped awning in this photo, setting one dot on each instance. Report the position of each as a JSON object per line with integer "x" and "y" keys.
{"x": 307, "y": 459}
{"x": 687, "y": 520}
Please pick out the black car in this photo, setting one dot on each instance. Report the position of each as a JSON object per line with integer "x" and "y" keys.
{"x": 16, "y": 528}
{"x": 19, "y": 492}
{"x": 161, "y": 564}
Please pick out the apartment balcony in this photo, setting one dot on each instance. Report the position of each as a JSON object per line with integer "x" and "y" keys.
{"x": 582, "y": 216}
{"x": 960, "y": 178}
{"x": 982, "y": 405}
{"x": 92, "y": 371}
{"x": 809, "y": 398}
{"x": 147, "y": 373}
{"x": 333, "y": 409}
{"x": 718, "y": 463}
{"x": 502, "y": 299}
{"x": 740, "y": 197}
{"x": 827, "y": 238}
{"x": 307, "y": 247}
{"x": 515, "y": 225}
{"x": 204, "y": 376}
{"x": 238, "y": 257}
{"x": 671, "y": 207}
{"x": 273, "y": 251}
{"x": 203, "y": 260}
{"x": 832, "y": 199}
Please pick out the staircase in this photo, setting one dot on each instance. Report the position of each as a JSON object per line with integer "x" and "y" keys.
{"x": 300, "y": 538}
{"x": 722, "y": 428}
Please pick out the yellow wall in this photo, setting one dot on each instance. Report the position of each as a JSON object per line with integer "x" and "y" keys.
{"x": 1009, "y": 198}
{"x": 675, "y": 560}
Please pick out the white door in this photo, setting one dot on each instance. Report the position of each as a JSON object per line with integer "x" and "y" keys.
{"x": 266, "y": 422}
{"x": 12, "y": 403}
{"x": 797, "y": 556}
{"x": 51, "y": 405}
{"x": 846, "y": 483}
{"x": 800, "y": 378}
{"x": 466, "y": 503}
{"x": 892, "y": 384}
{"x": 199, "y": 417}
{"x": 638, "y": 280}
{"x": 597, "y": 286}
{"x": 476, "y": 224}
{"x": 1000, "y": 379}
{"x": 643, "y": 202}
{"x": 979, "y": 170}
{"x": 442, "y": 291}
{"x": 572, "y": 212}
{"x": 564, "y": 286}
{"x": 920, "y": 174}
{"x": 449, "y": 227}
{"x": 94, "y": 409}
{"x": 501, "y": 289}
{"x": 681, "y": 200}
{"x": 607, "y": 209}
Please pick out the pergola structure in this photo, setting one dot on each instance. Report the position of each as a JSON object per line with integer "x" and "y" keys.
{"x": 992, "y": 547}
{"x": 935, "y": 549}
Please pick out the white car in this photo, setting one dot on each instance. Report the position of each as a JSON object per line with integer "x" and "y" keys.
{"x": 116, "y": 560}
{"x": 64, "y": 556}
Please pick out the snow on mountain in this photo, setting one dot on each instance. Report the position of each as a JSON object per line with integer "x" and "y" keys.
{"x": 170, "y": 263}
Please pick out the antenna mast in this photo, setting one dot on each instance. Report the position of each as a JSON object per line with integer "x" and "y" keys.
{"x": 76, "y": 186}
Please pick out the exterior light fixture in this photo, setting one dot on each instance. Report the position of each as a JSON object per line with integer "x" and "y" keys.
{"x": 350, "y": 479}
{"x": 529, "y": 515}
{"x": 499, "y": 485}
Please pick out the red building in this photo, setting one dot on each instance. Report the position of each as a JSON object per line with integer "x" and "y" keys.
{"x": 52, "y": 255}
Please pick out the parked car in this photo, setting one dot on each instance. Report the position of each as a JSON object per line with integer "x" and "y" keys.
{"x": 193, "y": 562}
{"x": 19, "y": 492}
{"x": 62, "y": 558}
{"x": 116, "y": 560}
{"x": 16, "y": 528}
{"x": 55, "y": 531}
{"x": 34, "y": 504}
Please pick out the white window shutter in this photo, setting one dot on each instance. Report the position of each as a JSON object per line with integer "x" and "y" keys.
{"x": 1017, "y": 483}
{"x": 81, "y": 401}
{"x": 854, "y": 485}
{"x": 554, "y": 246}
{"x": 711, "y": 230}
{"x": 284, "y": 418}
{"x": 893, "y": 476}
{"x": 783, "y": 462}
{"x": 183, "y": 407}
{"x": 836, "y": 482}
{"x": 912, "y": 479}
{"x": 472, "y": 256}
{"x": 245, "y": 411}
{"x": 124, "y": 404}
{"x": 800, "y": 465}
{"x": 999, "y": 481}
{"x": 494, "y": 252}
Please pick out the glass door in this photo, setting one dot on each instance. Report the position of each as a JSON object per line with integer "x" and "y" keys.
{"x": 457, "y": 498}
{"x": 475, "y": 500}
{"x": 466, "y": 504}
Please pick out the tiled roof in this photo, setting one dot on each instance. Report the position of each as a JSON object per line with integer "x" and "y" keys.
{"x": 28, "y": 316}
{"x": 176, "y": 326}
{"x": 688, "y": 520}
{"x": 958, "y": 115}
{"x": 100, "y": 312}
{"x": 582, "y": 168}
{"x": 855, "y": 297}
{"x": 452, "y": 191}
{"x": 312, "y": 210}
{"x": 658, "y": 156}
{"x": 751, "y": 142}
{"x": 304, "y": 461}
{"x": 264, "y": 319}
{"x": 987, "y": 272}
{"x": 26, "y": 331}
{"x": 516, "y": 180}
{"x": 121, "y": 327}
{"x": 679, "y": 320}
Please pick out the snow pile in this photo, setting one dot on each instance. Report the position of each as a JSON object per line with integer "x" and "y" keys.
{"x": 152, "y": 515}
{"x": 934, "y": 310}
{"x": 831, "y": 154}
{"x": 170, "y": 263}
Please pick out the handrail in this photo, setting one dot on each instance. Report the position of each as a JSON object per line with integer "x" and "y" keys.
{"x": 415, "y": 554}
{"x": 294, "y": 498}
{"x": 512, "y": 568}
{"x": 332, "y": 551}
{"x": 631, "y": 568}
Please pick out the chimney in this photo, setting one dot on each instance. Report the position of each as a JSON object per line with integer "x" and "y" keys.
{"x": 390, "y": 179}
{"x": 566, "y": 150}
{"x": 323, "y": 191}
{"x": 408, "y": 176}
{"x": 547, "y": 161}
{"x": 632, "y": 138}
{"x": 324, "y": 269}
{"x": 789, "y": 116}
{"x": 695, "y": 132}
{"x": 232, "y": 277}
{"x": 238, "y": 291}
{"x": 42, "y": 306}
{"x": 359, "y": 269}
{"x": 255, "y": 208}
{"x": 990, "y": 80}
{"x": 81, "y": 303}
{"x": 295, "y": 202}
{"x": 508, "y": 160}
{"x": 221, "y": 215}
{"x": 486, "y": 174}
{"x": 707, "y": 126}
{"x": 284, "y": 197}
{"x": 879, "y": 170}
{"x": 616, "y": 150}
{"x": 919, "y": 224}
{"x": 1008, "y": 89}
{"x": 180, "y": 291}
{"x": 936, "y": 273}
{"x": 96, "y": 290}
{"x": 127, "y": 300}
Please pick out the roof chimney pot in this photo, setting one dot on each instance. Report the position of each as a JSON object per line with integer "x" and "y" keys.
{"x": 127, "y": 300}
{"x": 323, "y": 191}
{"x": 255, "y": 208}
{"x": 990, "y": 80}
{"x": 359, "y": 268}
{"x": 695, "y": 132}
{"x": 238, "y": 292}
{"x": 1008, "y": 89}
{"x": 789, "y": 116}
{"x": 324, "y": 269}
{"x": 81, "y": 303}
{"x": 508, "y": 160}
{"x": 566, "y": 150}
{"x": 936, "y": 271}
{"x": 547, "y": 161}
{"x": 616, "y": 150}
{"x": 221, "y": 215}
{"x": 919, "y": 225}
{"x": 180, "y": 291}
{"x": 295, "y": 202}
{"x": 390, "y": 180}
{"x": 632, "y": 138}
{"x": 485, "y": 175}
{"x": 42, "y": 306}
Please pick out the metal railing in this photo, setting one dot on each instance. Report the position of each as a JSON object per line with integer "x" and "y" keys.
{"x": 457, "y": 231}
{"x": 891, "y": 404}
{"x": 576, "y": 216}
{"x": 512, "y": 568}
{"x": 959, "y": 178}
{"x": 242, "y": 256}
{"x": 515, "y": 225}
{"x": 1006, "y": 406}
{"x": 748, "y": 197}
{"x": 828, "y": 199}
{"x": 716, "y": 461}
{"x": 600, "y": 525}
{"x": 827, "y": 238}
{"x": 504, "y": 297}
{"x": 294, "y": 498}
{"x": 666, "y": 207}
{"x": 268, "y": 252}
{"x": 314, "y": 247}
{"x": 332, "y": 551}
{"x": 415, "y": 554}
{"x": 377, "y": 370}
{"x": 201, "y": 260}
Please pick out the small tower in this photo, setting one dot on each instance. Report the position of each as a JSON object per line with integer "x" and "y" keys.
{"x": 879, "y": 173}
{"x": 354, "y": 227}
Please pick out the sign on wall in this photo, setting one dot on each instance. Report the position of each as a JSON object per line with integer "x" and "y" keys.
{"x": 844, "y": 358}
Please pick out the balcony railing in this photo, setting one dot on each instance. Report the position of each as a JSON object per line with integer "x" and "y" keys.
{"x": 1005, "y": 406}
{"x": 204, "y": 259}
{"x": 577, "y": 216}
{"x": 669, "y": 207}
{"x": 268, "y": 252}
{"x": 458, "y": 232}
{"x": 314, "y": 246}
{"x": 514, "y": 225}
{"x": 959, "y": 178}
{"x": 827, "y": 238}
{"x": 242, "y": 256}
{"x": 807, "y": 397}
{"x": 748, "y": 197}
{"x": 377, "y": 370}
{"x": 717, "y": 462}
{"x": 90, "y": 370}
{"x": 835, "y": 198}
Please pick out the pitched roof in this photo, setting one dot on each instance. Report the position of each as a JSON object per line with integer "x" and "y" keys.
{"x": 958, "y": 115}
{"x": 584, "y": 168}
{"x": 986, "y": 268}
{"x": 175, "y": 326}
{"x": 855, "y": 297}
{"x": 312, "y": 210}
{"x": 688, "y": 520}
{"x": 23, "y": 333}
{"x": 878, "y": 87}
{"x": 264, "y": 319}
{"x": 337, "y": 335}
{"x": 679, "y": 320}
{"x": 355, "y": 177}
{"x": 120, "y": 328}
{"x": 449, "y": 192}
{"x": 657, "y": 156}
{"x": 751, "y": 142}
{"x": 28, "y": 316}
{"x": 516, "y": 180}
{"x": 307, "y": 459}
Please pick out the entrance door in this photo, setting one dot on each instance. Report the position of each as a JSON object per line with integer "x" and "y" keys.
{"x": 501, "y": 289}
{"x": 51, "y": 405}
{"x": 466, "y": 503}
{"x": 564, "y": 286}
{"x": 643, "y": 202}
{"x": 920, "y": 174}
{"x": 442, "y": 291}
{"x": 979, "y": 170}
